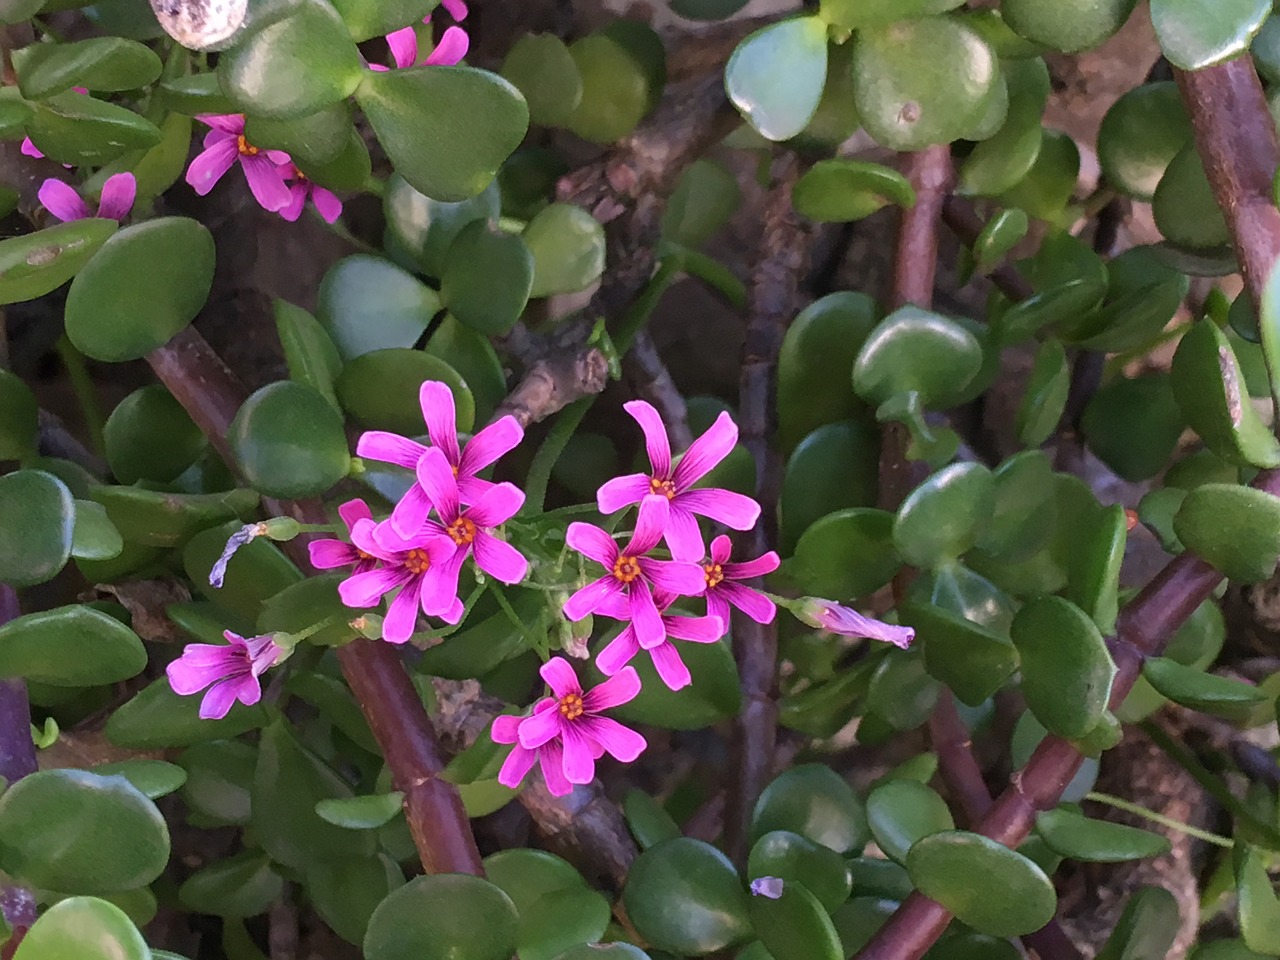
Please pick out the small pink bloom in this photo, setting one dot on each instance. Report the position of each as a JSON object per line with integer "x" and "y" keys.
{"x": 224, "y": 146}
{"x": 62, "y": 200}
{"x": 721, "y": 591}
{"x": 630, "y": 575}
{"x": 331, "y": 554}
{"x": 417, "y": 567}
{"x": 566, "y": 731}
{"x": 682, "y": 533}
{"x": 231, "y": 672}
{"x": 404, "y": 48}
{"x": 457, "y": 9}
{"x": 666, "y": 659}
{"x": 830, "y": 616}
{"x": 440, "y": 415}
{"x": 325, "y": 201}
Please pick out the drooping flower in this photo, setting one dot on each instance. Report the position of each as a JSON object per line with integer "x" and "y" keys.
{"x": 566, "y": 730}
{"x": 666, "y": 659}
{"x": 833, "y": 617}
{"x": 450, "y": 50}
{"x": 62, "y": 200}
{"x": 325, "y": 201}
{"x": 416, "y": 567}
{"x": 630, "y": 575}
{"x": 440, "y": 415}
{"x": 230, "y": 672}
{"x": 331, "y": 554}
{"x": 676, "y": 484}
{"x": 224, "y": 145}
{"x": 722, "y": 591}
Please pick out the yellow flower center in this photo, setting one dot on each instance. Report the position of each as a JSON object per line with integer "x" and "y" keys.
{"x": 626, "y": 568}
{"x": 714, "y": 574}
{"x": 362, "y": 555}
{"x": 246, "y": 148}
{"x": 571, "y": 706}
{"x": 417, "y": 561}
{"x": 665, "y": 488}
{"x": 463, "y": 531}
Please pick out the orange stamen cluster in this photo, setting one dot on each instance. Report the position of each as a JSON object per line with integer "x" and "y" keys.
{"x": 626, "y": 568}
{"x": 571, "y": 707}
{"x": 664, "y": 488}
{"x": 246, "y": 148}
{"x": 714, "y": 574}
{"x": 463, "y": 531}
{"x": 417, "y": 561}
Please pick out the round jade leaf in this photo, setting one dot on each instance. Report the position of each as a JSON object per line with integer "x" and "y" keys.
{"x": 37, "y": 521}
{"x": 380, "y": 389}
{"x": 157, "y": 519}
{"x": 1234, "y": 529}
{"x": 815, "y": 802}
{"x": 616, "y": 950}
{"x": 706, "y": 195}
{"x": 367, "y": 303}
{"x": 425, "y": 118}
{"x": 311, "y": 140}
{"x": 1093, "y": 569}
{"x": 149, "y": 436}
{"x": 789, "y": 856}
{"x": 1063, "y": 302}
{"x": 775, "y": 76}
{"x": 1001, "y": 160}
{"x": 242, "y": 886}
{"x": 943, "y": 517}
{"x": 647, "y": 819}
{"x": 1024, "y": 507}
{"x": 157, "y": 718}
{"x": 915, "y": 350}
{"x": 488, "y": 276}
{"x": 289, "y": 442}
{"x": 922, "y": 82}
{"x": 195, "y": 94}
{"x": 834, "y": 467}
{"x": 421, "y": 230}
{"x": 147, "y": 282}
{"x": 525, "y": 875}
{"x": 37, "y": 263}
{"x": 1133, "y": 425}
{"x": 856, "y": 14}
{"x": 793, "y": 925}
{"x": 563, "y": 919}
{"x": 1073, "y": 835}
{"x": 685, "y": 897}
{"x": 834, "y": 191}
{"x": 1067, "y": 670}
{"x": 1047, "y": 188}
{"x": 309, "y": 352}
{"x": 1194, "y": 37}
{"x": 72, "y": 646}
{"x": 901, "y": 812}
{"x": 718, "y": 695}
{"x": 15, "y": 11}
{"x": 973, "y": 660}
{"x": 473, "y": 356}
{"x": 102, "y": 63}
{"x": 542, "y": 69}
{"x": 294, "y": 63}
{"x": 256, "y": 574}
{"x": 95, "y": 537}
{"x": 999, "y": 235}
{"x": 1147, "y": 928}
{"x": 448, "y": 916}
{"x": 1183, "y": 204}
{"x": 152, "y": 778}
{"x": 568, "y": 249}
{"x": 901, "y": 694}
{"x": 84, "y": 131}
{"x": 371, "y": 18}
{"x": 19, "y": 418}
{"x": 83, "y": 928}
{"x": 846, "y": 554}
{"x": 1257, "y": 907}
{"x": 1014, "y": 896}
{"x": 360, "y": 813}
{"x": 1141, "y": 133}
{"x": 1066, "y": 25}
{"x": 77, "y": 832}
{"x": 615, "y": 89}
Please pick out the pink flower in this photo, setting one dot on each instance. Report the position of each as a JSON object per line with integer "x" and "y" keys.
{"x": 666, "y": 659}
{"x": 721, "y": 592}
{"x": 632, "y": 576}
{"x": 566, "y": 732}
{"x": 224, "y": 145}
{"x": 330, "y": 554}
{"x": 416, "y": 567}
{"x": 682, "y": 533}
{"x": 438, "y": 411}
{"x": 835, "y": 618}
{"x": 62, "y": 200}
{"x": 233, "y": 671}
{"x": 326, "y": 202}
{"x": 404, "y": 48}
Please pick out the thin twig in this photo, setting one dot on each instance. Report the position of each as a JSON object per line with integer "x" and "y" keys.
{"x": 652, "y": 381}
{"x": 965, "y": 224}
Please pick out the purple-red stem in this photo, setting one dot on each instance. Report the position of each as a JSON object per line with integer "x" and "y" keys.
{"x": 17, "y": 760}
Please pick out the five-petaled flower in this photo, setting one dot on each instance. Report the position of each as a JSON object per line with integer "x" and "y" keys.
{"x": 224, "y": 145}
{"x": 230, "y": 671}
{"x": 331, "y": 554}
{"x": 449, "y": 51}
{"x": 830, "y": 616}
{"x": 62, "y": 200}
{"x": 566, "y": 731}
{"x": 722, "y": 591}
{"x": 325, "y": 201}
{"x": 666, "y": 659}
{"x": 439, "y": 413}
{"x": 630, "y": 574}
{"x": 676, "y": 484}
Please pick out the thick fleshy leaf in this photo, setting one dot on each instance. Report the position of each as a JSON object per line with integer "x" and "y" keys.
{"x": 1257, "y": 906}
{"x": 488, "y": 276}
{"x": 648, "y": 821}
{"x": 37, "y": 263}
{"x": 149, "y": 436}
{"x": 84, "y": 928}
{"x": 846, "y": 554}
{"x": 1000, "y": 235}
{"x": 616, "y": 89}
{"x": 37, "y": 523}
{"x": 193, "y": 95}
{"x": 84, "y": 131}
{"x": 706, "y": 195}
{"x": 289, "y": 442}
{"x": 473, "y": 357}
{"x": 102, "y": 63}
{"x": 152, "y": 778}
{"x": 443, "y": 917}
{"x": 19, "y": 415}
{"x": 425, "y": 119}
{"x": 380, "y": 390}
{"x": 311, "y": 140}
{"x": 833, "y": 468}
{"x": 1093, "y": 569}
{"x": 1067, "y": 25}
{"x": 73, "y": 646}
{"x": 1194, "y": 37}
{"x": 360, "y": 813}
{"x": 241, "y": 886}
{"x": 543, "y": 70}
{"x": 170, "y": 519}
{"x": 915, "y": 350}
{"x": 856, "y": 14}
{"x": 1147, "y": 927}
{"x": 95, "y": 537}
{"x": 309, "y": 351}
{"x": 1001, "y": 160}
{"x": 1066, "y": 668}
{"x": 1077, "y": 837}
{"x": 1202, "y": 691}
{"x": 1133, "y": 425}
{"x": 1046, "y": 190}
{"x": 901, "y": 812}
{"x": 157, "y": 718}
{"x": 1235, "y": 529}
{"x": 567, "y": 244}
{"x": 368, "y": 303}
{"x": 1184, "y": 208}
{"x": 172, "y": 258}
{"x": 1141, "y": 133}
{"x": 901, "y": 694}
{"x": 775, "y": 76}
{"x": 972, "y": 660}
{"x": 685, "y": 897}
{"x": 794, "y": 925}
{"x": 420, "y": 230}
{"x": 371, "y": 18}
{"x": 942, "y": 518}
{"x": 815, "y": 802}
{"x": 346, "y": 891}
{"x": 792, "y": 857}
{"x": 834, "y": 191}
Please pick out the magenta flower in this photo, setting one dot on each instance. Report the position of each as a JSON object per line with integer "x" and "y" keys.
{"x": 416, "y": 567}
{"x": 682, "y": 533}
{"x": 440, "y": 415}
{"x": 567, "y": 732}
{"x": 830, "y": 616}
{"x": 666, "y": 659}
{"x": 721, "y": 592}
{"x": 62, "y": 200}
{"x": 224, "y": 145}
{"x": 331, "y": 554}
{"x": 404, "y": 48}
{"x": 631, "y": 576}
{"x": 231, "y": 672}
{"x": 325, "y": 201}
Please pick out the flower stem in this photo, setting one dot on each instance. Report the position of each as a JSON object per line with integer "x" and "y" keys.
{"x": 1125, "y": 805}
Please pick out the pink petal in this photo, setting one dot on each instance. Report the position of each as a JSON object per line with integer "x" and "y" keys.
{"x": 454, "y": 614}
{"x": 471, "y": 489}
{"x": 491, "y": 443}
{"x": 61, "y": 200}
{"x": 705, "y": 452}
{"x": 671, "y": 669}
{"x": 367, "y": 589}
{"x": 499, "y": 504}
{"x": 297, "y": 200}
{"x": 551, "y": 758}
{"x": 579, "y": 757}
{"x": 440, "y": 586}
{"x": 683, "y": 536}
{"x": 329, "y": 554}
{"x": 190, "y": 673}
{"x": 29, "y": 149}
{"x": 517, "y": 765}
{"x": 404, "y": 46}
{"x": 266, "y": 183}
{"x": 717, "y": 605}
{"x": 722, "y": 549}
{"x": 751, "y": 602}
{"x": 592, "y": 542}
{"x": 724, "y": 506}
{"x": 326, "y": 203}
{"x": 232, "y": 123}
{"x": 411, "y": 512}
{"x": 617, "y": 690}
{"x": 539, "y": 728}
{"x": 504, "y": 729}
{"x": 378, "y": 67}
{"x": 280, "y": 159}
{"x": 451, "y": 48}
{"x": 621, "y": 492}
{"x": 621, "y": 743}
{"x": 651, "y": 523}
{"x": 765, "y": 563}
{"x": 499, "y": 559}
{"x": 367, "y": 536}
{"x": 214, "y": 137}
{"x": 617, "y": 606}
{"x": 560, "y": 677}
{"x": 457, "y": 9}
{"x": 208, "y": 168}
{"x": 585, "y": 600}
{"x": 390, "y": 448}
{"x": 222, "y": 696}
{"x": 707, "y": 629}
{"x": 354, "y": 510}
{"x": 402, "y": 615}
{"x": 441, "y": 416}
{"x": 436, "y": 478}
{"x": 650, "y": 630}
{"x": 655, "y": 436}
{"x": 118, "y": 193}
{"x": 618, "y": 653}
{"x": 673, "y": 576}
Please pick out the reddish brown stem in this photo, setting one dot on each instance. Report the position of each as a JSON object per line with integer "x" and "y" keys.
{"x": 916, "y": 263}
{"x": 17, "y": 750}
{"x": 956, "y": 763}
{"x": 959, "y": 216}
